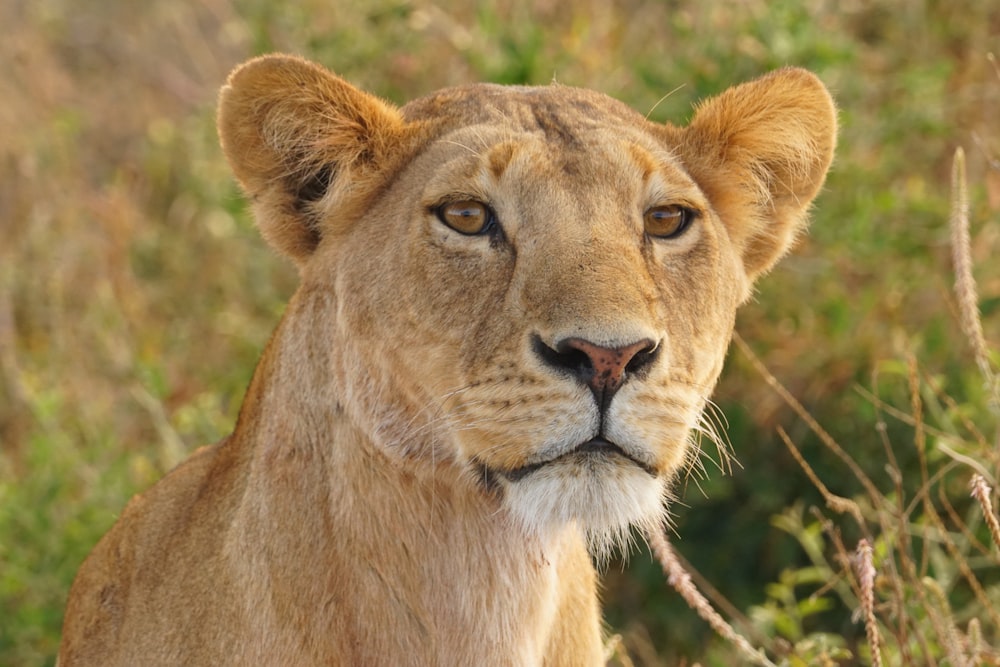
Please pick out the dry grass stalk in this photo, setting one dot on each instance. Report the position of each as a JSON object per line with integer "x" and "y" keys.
{"x": 680, "y": 580}
{"x": 974, "y": 641}
{"x": 841, "y": 556}
{"x": 901, "y": 415}
{"x": 965, "y": 283}
{"x": 948, "y": 631}
{"x": 963, "y": 417}
{"x": 713, "y": 595}
{"x": 961, "y": 524}
{"x": 615, "y": 650}
{"x": 960, "y": 561}
{"x": 827, "y": 440}
{"x": 934, "y": 619}
{"x": 981, "y": 492}
{"x": 919, "y": 434}
{"x": 894, "y": 524}
{"x": 931, "y": 514}
{"x": 895, "y": 607}
{"x": 865, "y": 568}
{"x": 836, "y": 503}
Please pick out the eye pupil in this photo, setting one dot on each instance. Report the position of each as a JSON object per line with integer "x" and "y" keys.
{"x": 669, "y": 221}
{"x": 466, "y": 217}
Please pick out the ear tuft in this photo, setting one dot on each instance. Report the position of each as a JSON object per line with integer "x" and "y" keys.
{"x": 774, "y": 139}
{"x": 296, "y": 136}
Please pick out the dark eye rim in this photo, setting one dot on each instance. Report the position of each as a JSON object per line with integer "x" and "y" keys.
{"x": 689, "y": 215}
{"x": 490, "y": 227}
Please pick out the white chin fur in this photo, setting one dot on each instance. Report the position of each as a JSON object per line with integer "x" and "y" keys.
{"x": 605, "y": 499}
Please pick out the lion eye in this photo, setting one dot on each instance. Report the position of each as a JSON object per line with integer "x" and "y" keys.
{"x": 466, "y": 217}
{"x": 667, "y": 222}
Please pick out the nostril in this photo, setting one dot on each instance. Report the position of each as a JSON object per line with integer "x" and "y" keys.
{"x": 643, "y": 358}
{"x": 565, "y": 358}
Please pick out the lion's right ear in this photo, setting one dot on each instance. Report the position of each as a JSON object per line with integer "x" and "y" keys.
{"x": 761, "y": 150}
{"x": 298, "y": 137}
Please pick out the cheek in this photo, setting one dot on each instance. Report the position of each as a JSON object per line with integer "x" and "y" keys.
{"x": 698, "y": 312}
{"x": 457, "y": 295}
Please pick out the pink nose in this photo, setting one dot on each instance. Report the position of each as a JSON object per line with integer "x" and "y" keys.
{"x": 604, "y": 369}
{"x": 607, "y": 365}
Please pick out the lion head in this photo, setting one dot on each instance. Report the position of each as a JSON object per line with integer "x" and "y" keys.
{"x": 528, "y": 289}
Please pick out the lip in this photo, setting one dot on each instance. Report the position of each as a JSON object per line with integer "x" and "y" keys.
{"x": 594, "y": 447}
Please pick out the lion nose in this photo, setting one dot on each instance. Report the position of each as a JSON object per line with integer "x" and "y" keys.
{"x": 604, "y": 369}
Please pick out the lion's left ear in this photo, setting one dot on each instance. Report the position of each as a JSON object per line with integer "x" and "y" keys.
{"x": 760, "y": 151}
{"x": 297, "y": 136}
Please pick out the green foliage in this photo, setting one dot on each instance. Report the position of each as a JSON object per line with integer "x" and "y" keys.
{"x": 135, "y": 294}
{"x": 49, "y": 520}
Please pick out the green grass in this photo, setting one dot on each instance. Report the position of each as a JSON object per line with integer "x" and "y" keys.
{"x": 135, "y": 294}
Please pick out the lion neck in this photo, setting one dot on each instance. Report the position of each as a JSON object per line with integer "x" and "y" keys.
{"x": 419, "y": 541}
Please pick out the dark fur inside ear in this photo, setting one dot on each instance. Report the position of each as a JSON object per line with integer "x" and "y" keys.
{"x": 314, "y": 188}
{"x": 298, "y": 137}
{"x": 310, "y": 191}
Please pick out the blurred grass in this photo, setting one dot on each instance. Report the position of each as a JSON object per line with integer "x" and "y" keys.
{"x": 135, "y": 295}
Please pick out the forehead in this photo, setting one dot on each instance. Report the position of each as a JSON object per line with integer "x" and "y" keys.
{"x": 575, "y": 134}
{"x": 560, "y": 111}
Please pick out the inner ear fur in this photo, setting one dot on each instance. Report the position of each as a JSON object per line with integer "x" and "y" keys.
{"x": 761, "y": 151}
{"x": 297, "y": 136}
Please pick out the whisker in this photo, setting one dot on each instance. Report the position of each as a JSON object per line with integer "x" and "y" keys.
{"x": 660, "y": 101}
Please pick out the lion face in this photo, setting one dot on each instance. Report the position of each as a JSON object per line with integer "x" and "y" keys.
{"x": 529, "y": 289}
{"x": 563, "y": 302}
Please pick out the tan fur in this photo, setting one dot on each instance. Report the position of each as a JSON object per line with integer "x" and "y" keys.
{"x": 403, "y": 485}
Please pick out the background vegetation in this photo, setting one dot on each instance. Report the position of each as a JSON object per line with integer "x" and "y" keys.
{"x": 135, "y": 294}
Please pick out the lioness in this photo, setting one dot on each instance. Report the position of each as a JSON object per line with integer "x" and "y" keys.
{"x": 514, "y": 304}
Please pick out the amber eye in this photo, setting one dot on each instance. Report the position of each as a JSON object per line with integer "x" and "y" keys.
{"x": 669, "y": 221}
{"x": 466, "y": 217}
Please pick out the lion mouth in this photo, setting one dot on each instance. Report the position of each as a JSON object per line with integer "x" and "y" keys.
{"x": 595, "y": 447}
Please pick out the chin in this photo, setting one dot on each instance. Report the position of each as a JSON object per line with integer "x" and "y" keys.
{"x": 606, "y": 497}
